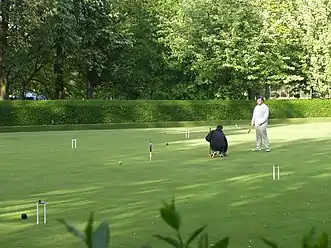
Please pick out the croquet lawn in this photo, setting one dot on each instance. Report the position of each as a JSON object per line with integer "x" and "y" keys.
{"x": 235, "y": 196}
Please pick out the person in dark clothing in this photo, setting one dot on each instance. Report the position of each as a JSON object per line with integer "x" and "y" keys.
{"x": 218, "y": 142}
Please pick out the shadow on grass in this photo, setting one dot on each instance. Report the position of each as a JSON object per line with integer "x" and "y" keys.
{"x": 11, "y": 209}
{"x": 251, "y": 173}
{"x": 245, "y": 168}
{"x": 238, "y": 189}
{"x": 68, "y": 204}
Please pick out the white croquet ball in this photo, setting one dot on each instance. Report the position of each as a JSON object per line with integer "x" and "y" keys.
{"x": 120, "y": 162}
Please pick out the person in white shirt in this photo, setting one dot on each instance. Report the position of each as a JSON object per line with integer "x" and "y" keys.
{"x": 260, "y": 121}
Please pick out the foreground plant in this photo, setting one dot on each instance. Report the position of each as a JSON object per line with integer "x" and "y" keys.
{"x": 100, "y": 238}
{"x": 170, "y": 215}
{"x": 309, "y": 240}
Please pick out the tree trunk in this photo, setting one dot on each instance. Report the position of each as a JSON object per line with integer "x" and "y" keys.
{"x": 89, "y": 90}
{"x": 267, "y": 92}
{"x": 251, "y": 94}
{"x": 4, "y": 18}
{"x": 91, "y": 77}
{"x": 22, "y": 91}
{"x": 58, "y": 71}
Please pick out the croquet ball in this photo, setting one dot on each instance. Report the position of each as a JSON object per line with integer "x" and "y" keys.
{"x": 120, "y": 162}
{"x": 24, "y": 216}
{"x": 167, "y": 144}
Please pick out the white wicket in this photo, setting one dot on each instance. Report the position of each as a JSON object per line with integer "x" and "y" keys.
{"x": 187, "y": 134}
{"x": 45, "y": 211}
{"x": 74, "y": 143}
{"x": 275, "y": 172}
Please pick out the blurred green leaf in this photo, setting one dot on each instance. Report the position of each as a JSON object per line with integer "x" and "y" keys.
{"x": 170, "y": 215}
{"x": 169, "y": 240}
{"x": 324, "y": 241}
{"x": 307, "y": 241}
{"x": 101, "y": 236}
{"x": 223, "y": 243}
{"x": 203, "y": 241}
{"x": 173, "y": 203}
{"x": 146, "y": 246}
{"x": 269, "y": 243}
{"x": 195, "y": 234}
{"x": 89, "y": 230}
{"x": 73, "y": 230}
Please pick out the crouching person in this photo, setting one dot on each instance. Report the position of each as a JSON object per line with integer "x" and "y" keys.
{"x": 218, "y": 142}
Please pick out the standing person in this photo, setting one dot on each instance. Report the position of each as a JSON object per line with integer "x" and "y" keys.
{"x": 218, "y": 142}
{"x": 260, "y": 121}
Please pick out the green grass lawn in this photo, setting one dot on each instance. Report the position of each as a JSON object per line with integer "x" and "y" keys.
{"x": 235, "y": 196}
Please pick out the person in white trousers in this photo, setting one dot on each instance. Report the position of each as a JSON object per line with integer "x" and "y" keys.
{"x": 260, "y": 121}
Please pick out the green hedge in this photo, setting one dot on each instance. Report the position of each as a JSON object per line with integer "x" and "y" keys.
{"x": 26, "y": 113}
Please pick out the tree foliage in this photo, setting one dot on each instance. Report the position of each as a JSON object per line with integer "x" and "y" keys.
{"x": 188, "y": 49}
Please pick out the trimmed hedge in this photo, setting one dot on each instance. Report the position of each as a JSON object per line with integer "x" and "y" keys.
{"x": 26, "y": 113}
